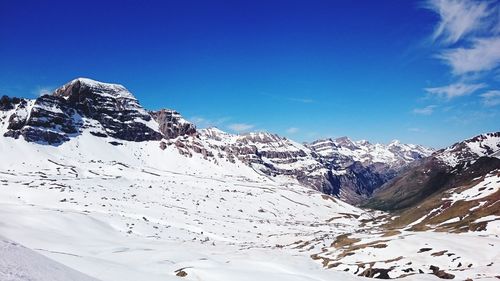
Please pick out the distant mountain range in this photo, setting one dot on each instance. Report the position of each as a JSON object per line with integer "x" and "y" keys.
{"x": 349, "y": 169}
{"x": 91, "y": 179}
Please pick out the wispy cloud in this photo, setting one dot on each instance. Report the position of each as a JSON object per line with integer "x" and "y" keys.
{"x": 202, "y": 122}
{"x": 468, "y": 38}
{"x": 41, "y": 91}
{"x": 455, "y": 90}
{"x": 491, "y": 98}
{"x": 482, "y": 55}
{"x": 428, "y": 110}
{"x": 292, "y": 130}
{"x": 458, "y": 18}
{"x": 240, "y": 127}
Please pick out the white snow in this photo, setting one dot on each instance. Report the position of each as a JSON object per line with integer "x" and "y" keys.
{"x": 489, "y": 185}
{"x": 136, "y": 212}
{"x": 18, "y": 263}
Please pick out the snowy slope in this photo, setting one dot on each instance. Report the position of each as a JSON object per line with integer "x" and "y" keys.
{"x": 17, "y": 263}
{"x": 90, "y": 179}
{"x": 470, "y": 149}
{"x": 135, "y": 212}
{"x": 456, "y": 231}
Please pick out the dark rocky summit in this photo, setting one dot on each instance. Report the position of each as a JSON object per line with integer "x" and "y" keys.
{"x": 108, "y": 109}
{"x": 171, "y": 124}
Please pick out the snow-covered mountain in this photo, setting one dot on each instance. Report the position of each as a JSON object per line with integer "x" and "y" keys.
{"x": 471, "y": 149}
{"x": 92, "y": 180}
{"x": 455, "y": 190}
{"x": 136, "y": 211}
{"x": 342, "y": 151}
{"x": 457, "y": 165}
{"x": 341, "y": 167}
{"x": 360, "y": 167}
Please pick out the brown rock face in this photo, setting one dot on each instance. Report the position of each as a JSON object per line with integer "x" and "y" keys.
{"x": 53, "y": 119}
{"x": 441, "y": 273}
{"x": 163, "y": 145}
{"x": 172, "y": 124}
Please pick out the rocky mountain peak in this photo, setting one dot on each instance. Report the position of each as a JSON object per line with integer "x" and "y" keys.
{"x": 105, "y": 110}
{"x": 216, "y": 134}
{"x": 260, "y": 137}
{"x": 79, "y": 85}
{"x": 395, "y": 143}
{"x": 172, "y": 124}
{"x": 345, "y": 142}
{"x": 468, "y": 150}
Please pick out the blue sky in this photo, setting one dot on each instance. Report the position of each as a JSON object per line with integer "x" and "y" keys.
{"x": 420, "y": 71}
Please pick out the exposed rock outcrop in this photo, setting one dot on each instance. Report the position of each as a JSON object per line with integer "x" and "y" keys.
{"x": 350, "y": 170}
{"x": 108, "y": 109}
{"x": 171, "y": 124}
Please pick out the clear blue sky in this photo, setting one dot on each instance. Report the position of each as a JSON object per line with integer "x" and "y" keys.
{"x": 376, "y": 70}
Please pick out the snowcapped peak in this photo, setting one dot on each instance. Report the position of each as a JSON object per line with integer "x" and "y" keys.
{"x": 262, "y": 137}
{"x": 216, "y": 134}
{"x": 363, "y": 142}
{"x": 343, "y": 139}
{"x": 97, "y": 84}
{"x": 394, "y": 143}
{"x": 214, "y": 131}
{"x": 97, "y": 87}
{"x": 469, "y": 150}
{"x": 365, "y": 152}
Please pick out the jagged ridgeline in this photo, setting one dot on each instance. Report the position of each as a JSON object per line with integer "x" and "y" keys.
{"x": 349, "y": 169}
{"x": 87, "y": 170}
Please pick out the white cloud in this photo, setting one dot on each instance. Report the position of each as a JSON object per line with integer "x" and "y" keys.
{"x": 202, "y": 122}
{"x": 459, "y": 18}
{"x": 428, "y": 110}
{"x": 241, "y": 127}
{"x": 41, "y": 91}
{"x": 292, "y": 130}
{"x": 491, "y": 98}
{"x": 455, "y": 90}
{"x": 468, "y": 35}
{"x": 482, "y": 55}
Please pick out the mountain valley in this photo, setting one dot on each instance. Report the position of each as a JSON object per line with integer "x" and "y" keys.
{"x": 106, "y": 190}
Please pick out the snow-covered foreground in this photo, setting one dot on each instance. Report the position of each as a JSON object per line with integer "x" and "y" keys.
{"x": 17, "y": 263}
{"x": 135, "y": 212}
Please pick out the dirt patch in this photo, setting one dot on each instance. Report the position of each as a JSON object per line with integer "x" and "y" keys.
{"x": 344, "y": 240}
{"x": 390, "y": 233}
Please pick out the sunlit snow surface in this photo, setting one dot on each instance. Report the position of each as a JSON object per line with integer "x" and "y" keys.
{"x": 18, "y": 263}
{"x": 136, "y": 212}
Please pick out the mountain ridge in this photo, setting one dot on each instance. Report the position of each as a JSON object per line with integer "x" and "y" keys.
{"x": 351, "y": 170}
{"x": 209, "y": 205}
